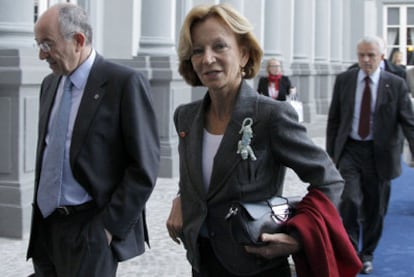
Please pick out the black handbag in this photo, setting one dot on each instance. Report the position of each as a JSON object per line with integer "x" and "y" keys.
{"x": 248, "y": 220}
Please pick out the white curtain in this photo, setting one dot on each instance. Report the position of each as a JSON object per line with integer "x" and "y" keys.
{"x": 392, "y": 36}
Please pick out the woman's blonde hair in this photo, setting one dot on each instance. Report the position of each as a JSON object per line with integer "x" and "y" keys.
{"x": 236, "y": 22}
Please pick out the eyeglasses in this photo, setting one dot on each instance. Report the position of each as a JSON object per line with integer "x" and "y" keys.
{"x": 45, "y": 46}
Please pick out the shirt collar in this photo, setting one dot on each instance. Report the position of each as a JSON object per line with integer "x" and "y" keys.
{"x": 80, "y": 75}
{"x": 374, "y": 76}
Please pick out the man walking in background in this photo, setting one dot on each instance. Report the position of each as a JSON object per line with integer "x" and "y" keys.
{"x": 368, "y": 107}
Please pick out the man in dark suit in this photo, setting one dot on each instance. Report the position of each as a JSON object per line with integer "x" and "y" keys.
{"x": 368, "y": 154}
{"x": 110, "y": 154}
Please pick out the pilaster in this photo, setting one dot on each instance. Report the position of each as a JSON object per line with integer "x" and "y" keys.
{"x": 16, "y": 23}
{"x": 303, "y": 53}
{"x": 158, "y": 28}
{"x": 117, "y": 39}
{"x": 20, "y": 77}
{"x": 272, "y": 28}
{"x": 322, "y": 53}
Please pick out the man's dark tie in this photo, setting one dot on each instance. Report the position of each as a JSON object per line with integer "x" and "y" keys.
{"x": 52, "y": 168}
{"x": 365, "y": 113}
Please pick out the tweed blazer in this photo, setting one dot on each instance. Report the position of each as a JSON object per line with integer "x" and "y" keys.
{"x": 278, "y": 141}
{"x": 393, "y": 110}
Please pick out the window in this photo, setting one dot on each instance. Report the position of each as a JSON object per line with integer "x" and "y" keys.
{"x": 36, "y": 10}
{"x": 399, "y": 33}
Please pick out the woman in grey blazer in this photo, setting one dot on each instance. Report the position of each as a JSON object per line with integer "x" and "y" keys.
{"x": 218, "y": 50}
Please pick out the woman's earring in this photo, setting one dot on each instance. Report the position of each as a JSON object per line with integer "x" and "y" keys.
{"x": 243, "y": 73}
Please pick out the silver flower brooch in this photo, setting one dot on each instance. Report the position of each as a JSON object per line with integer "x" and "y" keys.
{"x": 243, "y": 147}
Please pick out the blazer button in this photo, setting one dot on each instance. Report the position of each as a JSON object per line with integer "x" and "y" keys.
{"x": 212, "y": 234}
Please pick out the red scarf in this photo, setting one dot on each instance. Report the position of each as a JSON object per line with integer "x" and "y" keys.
{"x": 275, "y": 79}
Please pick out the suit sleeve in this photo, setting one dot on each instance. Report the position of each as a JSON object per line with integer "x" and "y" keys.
{"x": 297, "y": 151}
{"x": 333, "y": 119}
{"x": 141, "y": 146}
{"x": 406, "y": 115}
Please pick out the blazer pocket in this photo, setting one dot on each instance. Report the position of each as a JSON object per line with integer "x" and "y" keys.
{"x": 250, "y": 173}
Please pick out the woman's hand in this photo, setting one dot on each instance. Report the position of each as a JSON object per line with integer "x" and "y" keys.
{"x": 175, "y": 220}
{"x": 278, "y": 245}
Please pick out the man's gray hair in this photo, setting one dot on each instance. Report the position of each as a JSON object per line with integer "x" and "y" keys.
{"x": 374, "y": 40}
{"x": 73, "y": 18}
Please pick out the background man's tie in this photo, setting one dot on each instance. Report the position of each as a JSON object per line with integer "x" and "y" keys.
{"x": 365, "y": 114}
{"x": 52, "y": 168}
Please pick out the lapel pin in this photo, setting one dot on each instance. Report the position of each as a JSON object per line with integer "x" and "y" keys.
{"x": 96, "y": 96}
{"x": 182, "y": 134}
{"x": 243, "y": 147}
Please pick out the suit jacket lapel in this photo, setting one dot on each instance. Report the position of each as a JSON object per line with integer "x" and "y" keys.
{"x": 383, "y": 88}
{"x": 349, "y": 97}
{"x": 226, "y": 158}
{"x": 194, "y": 145}
{"x": 91, "y": 99}
{"x": 48, "y": 97}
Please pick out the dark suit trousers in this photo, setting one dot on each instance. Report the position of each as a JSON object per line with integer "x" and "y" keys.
{"x": 364, "y": 199}
{"x": 72, "y": 246}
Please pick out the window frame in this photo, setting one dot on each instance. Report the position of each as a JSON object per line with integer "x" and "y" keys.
{"x": 402, "y": 27}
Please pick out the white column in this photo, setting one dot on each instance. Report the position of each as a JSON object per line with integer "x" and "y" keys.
{"x": 304, "y": 29}
{"x": 370, "y": 16}
{"x": 348, "y": 55}
{"x": 286, "y": 22}
{"x": 353, "y": 28}
{"x": 277, "y": 24}
{"x": 157, "y": 57}
{"x": 321, "y": 58}
{"x": 20, "y": 75}
{"x": 158, "y": 28}
{"x": 16, "y": 23}
{"x": 303, "y": 53}
{"x": 254, "y": 12}
{"x": 336, "y": 42}
{"x": 322, "y": 30}
{"x": 272, "y": 27}
{"x": 116, "y": 27}
{"x": 336, "y": 23}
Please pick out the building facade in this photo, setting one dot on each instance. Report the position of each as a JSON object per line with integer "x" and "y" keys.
{"x": 314, "y": 39}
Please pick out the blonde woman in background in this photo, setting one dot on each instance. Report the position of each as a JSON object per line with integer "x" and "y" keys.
{"x": 275, "y": 84}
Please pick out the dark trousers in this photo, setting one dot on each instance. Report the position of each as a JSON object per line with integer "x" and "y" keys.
{"x": 72, "y": 246}
{"x": 365, "y": 197}
{"x": 211, "y": 266}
